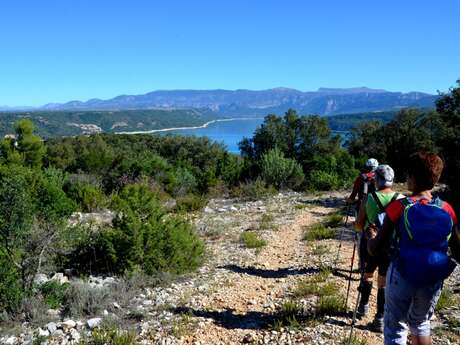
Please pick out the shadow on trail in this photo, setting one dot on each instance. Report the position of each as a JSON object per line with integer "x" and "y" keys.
{"x": 254, "y": 320}
{"x": 328, "y": 202}
{"x": 228, "y": 319}
{"x": 267, "y": 273}
{"x": 345, "y": 274}
{"x": 285, "y": 272}
{"x": 347, "y": 323}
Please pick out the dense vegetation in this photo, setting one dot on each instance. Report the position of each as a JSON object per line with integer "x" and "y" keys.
{"x": 298, "y": 152}
{"x": 414, "y": 130}
{"x": 347, "y": 122}
{"x": 67, "y": 123}
{"x": 149, "y": 182}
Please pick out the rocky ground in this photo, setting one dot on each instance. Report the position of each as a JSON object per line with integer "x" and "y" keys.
{"x": 237, "y": 295}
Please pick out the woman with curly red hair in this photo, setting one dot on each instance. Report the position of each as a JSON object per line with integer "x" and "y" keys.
{"x": 418, "y": 230}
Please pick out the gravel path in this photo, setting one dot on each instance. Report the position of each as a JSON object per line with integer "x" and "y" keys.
{"x": 240, "y": 289}
{"x": 247, "y": 286}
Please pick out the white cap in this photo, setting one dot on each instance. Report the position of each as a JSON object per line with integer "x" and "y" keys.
{"x": 384, "y": 175}
{"x": 372, "y": 163}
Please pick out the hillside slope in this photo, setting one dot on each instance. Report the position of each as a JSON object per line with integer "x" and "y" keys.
{"x": 264, "y": 295}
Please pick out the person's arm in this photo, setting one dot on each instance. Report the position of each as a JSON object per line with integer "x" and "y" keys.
{"x": 356, "y": 188}
{"x": 361, "y": 220}
{"x": 380, "y": 241}
{"x": 454, "y": 244}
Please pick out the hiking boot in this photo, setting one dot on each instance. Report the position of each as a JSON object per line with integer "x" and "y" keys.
{"x": 377, "y": 324}
{"x": 363, "y": 309}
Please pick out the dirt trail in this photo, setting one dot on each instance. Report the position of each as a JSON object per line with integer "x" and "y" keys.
{"x": 240, "y": 311}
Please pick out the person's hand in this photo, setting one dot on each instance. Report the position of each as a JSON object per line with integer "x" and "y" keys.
{"x": 349, "y": 201}
{"x": 357, "y": 227}
{"x": 371, "y": 232}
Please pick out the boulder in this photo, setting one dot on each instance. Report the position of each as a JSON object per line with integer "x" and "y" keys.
{"x": 11, "y": 341}
{"x": 94, "y": 322}
{"x": 43, "y": 332}
{"x": 60, "y": 278}
{"x": 41, "y": 279}
{"x": 75, "y": 335}
{"x": 51, "y": 327}
{"x": 68, "y": 324}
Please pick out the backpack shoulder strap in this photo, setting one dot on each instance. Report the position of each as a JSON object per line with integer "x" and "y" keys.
{"x": 439, "y": 203}
{"x": 407, "y": 203}
{"x": 378, "y": 202}
{"x": 395, "y": 197}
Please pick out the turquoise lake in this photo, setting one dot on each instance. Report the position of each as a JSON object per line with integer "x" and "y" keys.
{"x": 229, "y": 133}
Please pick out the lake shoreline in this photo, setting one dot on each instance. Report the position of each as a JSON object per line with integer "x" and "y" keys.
{"x": 205, "y": 125}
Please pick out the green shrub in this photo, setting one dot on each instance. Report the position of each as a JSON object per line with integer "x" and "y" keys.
{"x": 190, "y": 203}
{"x": 321, "y": 180}
{"x": 253, "y": 190}
{"x": 446, "y": 299}
{"x": 333, "y": 220}
{"x": 305, "y": 288}
{"x": 230, "y": 169}
{"x": 143, "y": 236}
{"x": 182, "y": 182}
{"x": 54, "y": 293}
{"x": 11, "y": 291}
{"x": 88, "y": 197}
{"x": 252, "y": 240}
{"x": 279, "y": 171}
{"x": 289, "y": 314}
{"x": 113, "y": 336}
{"x": 322, "y": 276}
{"x": 83, "y": 300}
{"x": 266, "y": 222}
{"x": 33, "y": 209}
{"x": 312, "y": 286}
{"x": 318, "y": 232}
{"x": 330, "y": 305}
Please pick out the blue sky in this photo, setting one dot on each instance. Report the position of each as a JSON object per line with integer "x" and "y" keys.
{"x": 56, "y": 51}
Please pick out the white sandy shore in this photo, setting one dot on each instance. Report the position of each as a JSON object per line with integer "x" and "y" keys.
{"x": 194, "y": 127}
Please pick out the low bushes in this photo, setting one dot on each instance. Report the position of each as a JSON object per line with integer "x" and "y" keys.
{"x": 54, "y": 293}
{"x": 110, "y": 336}
{"x": 143, "y": 237}
{"x": 88, "y": 197}
{"x": 279, "y": 171}
{"x": 33, "y": 208}
{"x": 190, "y": 203}
{"x": 318, "y": 231}
{"x": 252, "y": 240}
{"x": 253, "y": 190}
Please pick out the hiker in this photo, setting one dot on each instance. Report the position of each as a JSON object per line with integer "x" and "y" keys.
{"x": 371, "y": 214}
{"x": 364, "y": 183}
{"x": 420, "y": 228}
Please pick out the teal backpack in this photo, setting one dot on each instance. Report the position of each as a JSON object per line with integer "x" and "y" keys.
{"x": 424, "y": 232}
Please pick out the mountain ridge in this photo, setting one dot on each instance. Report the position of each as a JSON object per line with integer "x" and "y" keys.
{"x": 324, "y": 101}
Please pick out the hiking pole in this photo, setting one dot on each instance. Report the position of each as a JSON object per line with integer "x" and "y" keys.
{"x": 341, "y": 237}
{"x": 351, "y": 271}
{"x": 355, "y": 312}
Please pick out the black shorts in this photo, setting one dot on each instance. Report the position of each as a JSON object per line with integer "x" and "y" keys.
{"x": 370, "y": 263}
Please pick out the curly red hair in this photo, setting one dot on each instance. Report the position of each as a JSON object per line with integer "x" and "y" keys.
{"x": 426, "y": 169}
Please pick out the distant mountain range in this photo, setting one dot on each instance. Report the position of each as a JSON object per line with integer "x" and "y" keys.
{"x": 324, "y": 101}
